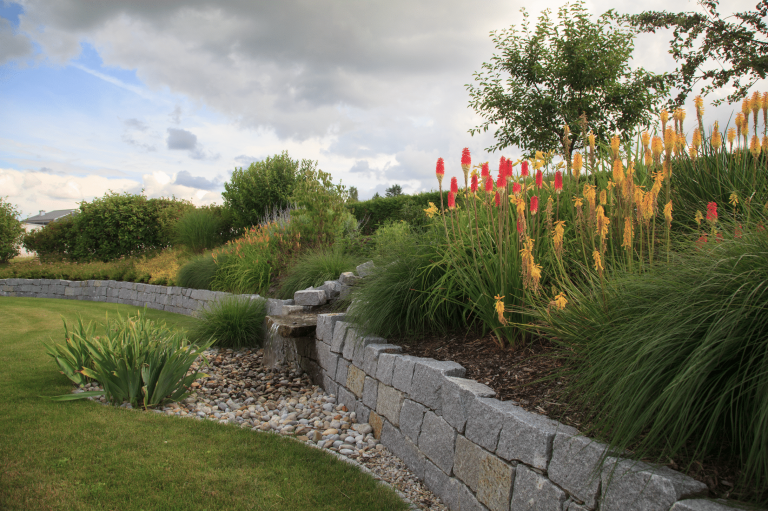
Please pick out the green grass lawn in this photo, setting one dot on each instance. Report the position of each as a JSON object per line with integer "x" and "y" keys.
{"x": 81, "y": 455}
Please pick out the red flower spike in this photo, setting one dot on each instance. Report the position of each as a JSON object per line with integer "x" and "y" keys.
{"x": 516, "y": 188}
{"x": 454, "y": 185}
{"x": 502, "y": 165}
{"x": 488, "y": 184}
{"x": 497, "y": 199}
{"x": 466, "y": 159}
{"x": 539, "y": 179}
{"x": 440, "y": 171}
{"x": 519, "y": 226}
{"x": 451, "y": 199}
{"x": 558, "y": 181}
{"x": 509, "y": 169}
{"x": 712, "y": 211}
{"x": 534, "y": 205}
{"x": 501, "y": 182}
{"x": 702, "y": 239}
{"x": 473, "y": 186}
{"x": 485, "y": 171}
{"x": 524, "y": 169}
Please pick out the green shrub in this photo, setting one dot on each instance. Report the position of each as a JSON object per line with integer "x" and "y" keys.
{"x": 137, "y": 361}
{"x": 410, "y": 208}
{"x": 73, "y": 356}
{"x": 11, "y": 231}
{"x": 263, "y": 186}
{"x": 233, "y": 322}
{"x": 320, "y": 212}
{"x": 198, "y": 230}
{"x": 54, "y": 241}
{"x": 199, "y": 272}
{"x": 676, "y": 360}
{"x": 313, "y": 268}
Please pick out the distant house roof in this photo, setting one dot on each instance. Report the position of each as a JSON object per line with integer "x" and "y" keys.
{"x": 45, "y": 218}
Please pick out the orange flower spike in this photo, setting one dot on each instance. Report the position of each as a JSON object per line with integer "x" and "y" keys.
{"x": 603, "y": 197}
{"x": 696, "y": 140}
{"x": 716, "y": 140}
{"x": 669, "y": 139}
{"x": 746, "y": 106}
{"x": 598, "y": 261}
{"x": 559, "y": 302}
{"x": 739, "y": 121}
{"x": 591, "y": 139}
{"x": 731, "y": 135}
{"x": 754, "y": 146}
{"x": 657, "y": 146}
{"x": 615, "y": 144}
{"x": 618, "y": 171}
{"x": 757, "y": 104}
{"x": 646, "y": 139}
{"x": 664, "y": 115}
{"x": 648, "y": 160}
{"x": 577, "y": 165}
{"x": 499, "y": 306}
{"x": 601, "y": 222}
{"x": 557, "y": 237}
{"x": 699, "y": 102}
{"x": 668, "y": 214}
{"x": 764, "y": 105}
{"x": 628, "y": 233}
{"x": 692, "y": 153}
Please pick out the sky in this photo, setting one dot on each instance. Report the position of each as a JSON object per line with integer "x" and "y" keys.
{"x": 170, "y": 97}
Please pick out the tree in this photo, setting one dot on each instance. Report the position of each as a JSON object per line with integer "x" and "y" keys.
{"x": 11, "y": 231}
{"x": 707, "y": 47}
{"x": 353, "y": 194}
{"x": 394, "y": 191}
{"x": 264, "y": 186}
{"x": 546, "y": 79}
{"x": 320, "y": 206}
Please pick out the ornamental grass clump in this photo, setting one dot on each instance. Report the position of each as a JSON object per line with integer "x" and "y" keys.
{"x": 232, "y": 322}
{"x": 313, "y": 268}
{"x": 136, "y": 360}
{"x": 676, "y": 362}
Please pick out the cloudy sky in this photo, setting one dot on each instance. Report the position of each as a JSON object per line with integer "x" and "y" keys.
{"x": 169, "y": 97}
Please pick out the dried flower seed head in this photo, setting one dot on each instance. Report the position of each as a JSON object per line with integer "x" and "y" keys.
{"x": 601, "y": 221}
{"x": 646, "y": 139}
{"x": 440, "y": 171}
{"x": 754, "y": 146}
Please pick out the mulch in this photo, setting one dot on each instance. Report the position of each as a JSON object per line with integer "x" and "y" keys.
{"x": 527, "y": 375}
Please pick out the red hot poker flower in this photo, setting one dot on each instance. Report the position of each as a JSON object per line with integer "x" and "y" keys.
{"x": 454, "y": 185}
{"x": 502, "y": 165}
{"x": 712, "y": 212}
{"x": 516, "y": 188}
{"x": 440, "y": 170}
{"x": 539, "y": 179}
{"x": 466, "y": 159}
{"x": 558, "y": 181}
{"x": 488, "y": 184}
{"x": 501, "y": 182}
{"x": 534, "y": 205}
{"x": 484, "y": 170}
{"x": 509, "y": 169}
{"x": 451, "y": 199}
{"x": 497, "y": 199}
{"x": 473, "y": 186}
{"x": 524, "y": 169}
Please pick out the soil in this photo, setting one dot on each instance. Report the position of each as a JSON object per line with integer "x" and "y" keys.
{"x": 527, "y": 375}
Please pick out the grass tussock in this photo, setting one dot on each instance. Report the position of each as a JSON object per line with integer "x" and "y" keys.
{"x": 232, "y": 322}
{"x": 313, "y": 268}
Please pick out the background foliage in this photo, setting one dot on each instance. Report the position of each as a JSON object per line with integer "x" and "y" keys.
{"x": 11, "y": 231}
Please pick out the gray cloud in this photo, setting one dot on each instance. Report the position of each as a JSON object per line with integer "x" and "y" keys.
{"x": 48, "y": 170}
{"x": 184, "y": 178}
{"x": 135, "y": 124}
{"x": 360, "y": 166}
{"x": 175, "y": 116}
{"x": 13, "y": 46}
{"x": 246, "y": 160}
{"x": 181, "y": 139}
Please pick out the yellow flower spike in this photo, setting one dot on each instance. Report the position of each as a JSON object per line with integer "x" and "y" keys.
{"x": 756, "y": 103}
{"x": 615, "y": 144}
{"x": 591, "y": 139}
{"x": 499, "y": 307}
{"x": 610, "y": 185}
{"x": 648, "y": 158}
{"x": 618, "y": 171}
{"x": 557, "y": 237}
{"x": 754, "y": 146}
{"x": 716, "y": 140}
{"x": 577, "y": 165}
{"x": 664, "y": 115}
{"x": 603, "y": 197}
{"x": 699, "y": 217}
{"x": 731, "y": 135}
{"x": 696, "y": 140}
{"x": 668, "y": 213}
{"x": 739, "y": 121}
{"x": 577, "y": 202}
{"x": 629, "y": 233}
{"x": 746, "y": 106}
{"x": 692, "y": 153}
{"x": 699, "y": 102}
{"x": 646, "y": 139}
{"x": 598, "y": 260}
{"x": 559, "y": 302}
{"x": 657, "y": 146}
{"x": 733, "y": 199}
{"x": 601, "y": 222}
{"x": 669, "y": 139}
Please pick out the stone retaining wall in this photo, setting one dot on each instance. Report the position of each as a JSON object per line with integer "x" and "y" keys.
{"x": 476, "y": 452}
{"x": 180, "y": 300}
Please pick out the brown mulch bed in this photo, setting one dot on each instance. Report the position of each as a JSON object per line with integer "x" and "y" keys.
{"x": 525, "y": 375}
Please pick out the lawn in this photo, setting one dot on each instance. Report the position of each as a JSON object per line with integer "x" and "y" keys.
{"x": 81, "y": 455}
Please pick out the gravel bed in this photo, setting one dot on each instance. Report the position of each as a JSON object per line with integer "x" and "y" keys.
{"x": 240, "y": 391}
